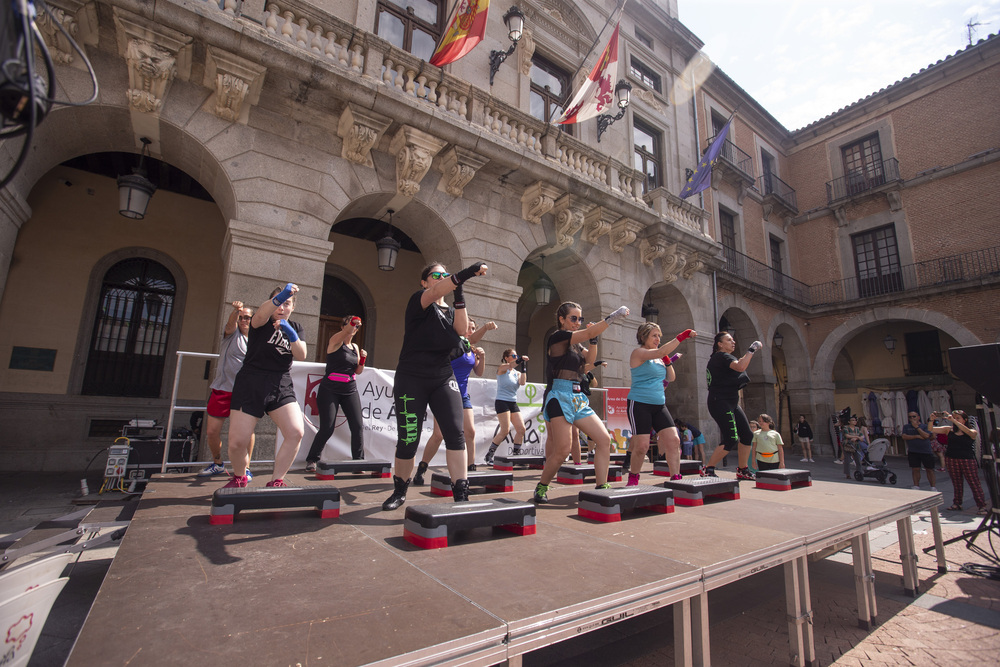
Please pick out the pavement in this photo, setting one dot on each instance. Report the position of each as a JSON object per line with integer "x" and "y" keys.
{"x": 955, "y": 619}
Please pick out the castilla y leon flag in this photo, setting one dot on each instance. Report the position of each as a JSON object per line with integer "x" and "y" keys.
{"x": 702, "y": 176}
{"x": 597, "y": 94}
{"x": 465, "y": 29}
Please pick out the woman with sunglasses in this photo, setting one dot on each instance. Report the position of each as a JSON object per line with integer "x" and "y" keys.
{"x": 424, "y": 377}
{"x": 726, "y": 376}
{"x": 338, "y": 390}
{"x": 264, "y": 386}
{"x": 651, "y": 365}
{"x": 960, "y": 456}
{"x": 565, "y": 403}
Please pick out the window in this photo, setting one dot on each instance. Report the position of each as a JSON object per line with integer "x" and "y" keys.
{"x": 549, "y": 90}
{"x": 727, "y": 231}
{"x": 876, "y": 259}
{"x": 863, "y": 167}
{"x": 767, "y": 166}
{"x": 641, "y": 73}
{"x": 647, "y": 154}
{"x": 717, "y": 124}
{"x": 129, "y": 342}
{"x": 644, "y": 39}
{"x": 777, "y": 273}
{"x": 412, "y": 25}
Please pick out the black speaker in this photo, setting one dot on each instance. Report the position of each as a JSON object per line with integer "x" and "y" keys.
{"x": 979, "y": 367}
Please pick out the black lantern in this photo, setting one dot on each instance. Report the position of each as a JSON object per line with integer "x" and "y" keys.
{"x": 514, "y": 20}
{"x": 778, "y": 340}
{"x": 623, "y": 93}
{"x": 889, "y": 342}
{"x": 543, "y": 291}
{"x": 388, "y": 248}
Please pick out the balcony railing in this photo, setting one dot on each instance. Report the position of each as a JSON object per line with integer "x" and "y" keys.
{"x": 974, "y": 265}
{"x": 736, "y": 158}
{"x": 770, "y": 184}
{"x": 860, "y": 181}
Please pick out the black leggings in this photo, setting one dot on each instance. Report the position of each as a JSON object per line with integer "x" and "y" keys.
{"x": 412, "y": 395}
{"x": 329, "y": 403}
{"x": 733, "y": 424}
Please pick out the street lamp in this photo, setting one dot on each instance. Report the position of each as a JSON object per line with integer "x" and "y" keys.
{"x": 514, "y": 20}
{"x": 623, "y": 92}
{"x": 135, "y": 190}
{"x": 889, "y": 342}
{"x": 543, "y": 291}
{"x": 387, "y": 248}
{"x": 778, "y": 340}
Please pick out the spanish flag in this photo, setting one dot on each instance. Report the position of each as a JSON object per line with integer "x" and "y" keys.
{"x": 465, "y": 29}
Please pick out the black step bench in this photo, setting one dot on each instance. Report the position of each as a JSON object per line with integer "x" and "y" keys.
{"x": 688, "y": 467}
{"x": 575, "y": 474}
{"x": 615, "y": 458}
{"x": 783, "y": 479}
{"x": 327, "y": 470}
{"x": 499, "y": 481}
{"x": 226, "y": 503}
{"x": 607, "y": 504}
{"x": 514, "y": 460}
{"x": 428, "y": 526}
{"x": 691, "y": 492}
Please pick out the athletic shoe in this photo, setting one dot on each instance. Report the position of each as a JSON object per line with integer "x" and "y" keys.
{"x": 398, "y": 496}
{"x": 812, "y": 460}
{"x": 540, "y": 496}
{"x": 213, "y": 469}
{"x": 418, "y": 479}
{"x": 471, "y": 468}
{"x": 940, "y": 469}
{"x": 249, "y": 475}
{"x": 460, "y": 491}
{"x": 600, "y": 487}
{"x": 839, "y": 461}
{"x": 707, "y": 471}
{"x": 676, "y": 476}
{"x": 633, "y": 479}
{"x": 934, "y": 489}
{"x": 236, "y": 483}
{"x": 804, "y": 460}
{"x": 311, "y": 466}
{"x": 917, "y": 488}
{"x": 276, "y": 484}
{"x": 745, "y": 474}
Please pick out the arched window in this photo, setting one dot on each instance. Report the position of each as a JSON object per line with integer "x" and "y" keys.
{"x": 129, "y": 341}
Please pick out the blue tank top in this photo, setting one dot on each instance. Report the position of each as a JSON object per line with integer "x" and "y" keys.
{"x": 507, "y": 385}
{"x": 647, "y": 382}
{"x": 462, "y": 367}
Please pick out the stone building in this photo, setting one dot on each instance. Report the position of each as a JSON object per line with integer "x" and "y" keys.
{"x": 281, "y": 135}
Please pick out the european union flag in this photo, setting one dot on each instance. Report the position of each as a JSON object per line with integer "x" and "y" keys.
{"x": 702, "y": 176}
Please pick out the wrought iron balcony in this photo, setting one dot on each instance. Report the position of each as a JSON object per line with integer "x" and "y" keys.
{"x": 862, "y": 181}
{"x": 734, "y": 162}
{"x": 976, "y": 265}
{"x": 778, "y": 193}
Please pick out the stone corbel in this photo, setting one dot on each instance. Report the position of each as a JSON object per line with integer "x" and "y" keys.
{"x": 236, "y": 81}
{"x": 767, "y": 210}
{"x": 693, "y": 264}
{"x": 717, "y": 181}
{"x": 672, "y": 263}
{"x": 652, "y": 248}
{"x": 597, "y": 223}
{"x": 458, "y": 167}
{"x": 360, "y": 129}
{"x": 537, "y": 200}
{"x": 78, "y": 18}
{"x": 414, "y": 151}
{"x": 741, "y": 191}
{"x": 569, "y": 211}
{"x": 895, "y": 201}
{"x": 156, "y": 55}
{"x": 623, "y": 232}
{"x": 841, "y": 214}
{"x": 526, "y": 51}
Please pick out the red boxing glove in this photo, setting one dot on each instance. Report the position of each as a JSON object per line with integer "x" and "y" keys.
{"x": 667, "y": 361}
{"x": 684, "y": 335}
{"x": 355, "y": 321}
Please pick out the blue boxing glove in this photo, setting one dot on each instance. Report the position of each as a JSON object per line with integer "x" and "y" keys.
{"x": 283, "y": 295}
{"x": 287, "y": 329}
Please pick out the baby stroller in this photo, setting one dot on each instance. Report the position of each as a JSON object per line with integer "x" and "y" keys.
{"x": 873, "y": 463}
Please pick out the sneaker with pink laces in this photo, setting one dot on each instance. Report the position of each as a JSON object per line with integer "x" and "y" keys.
{"x": 236, "y": 483}
{"x": 276, "y": 483}
{"x": 676, "y": 476}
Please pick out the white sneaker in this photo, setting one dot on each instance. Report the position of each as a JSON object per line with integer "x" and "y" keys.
{"x": 804, "y": 460}
{"x": 915, "y": 487}
{"x": 812, "y": 460}
{"x": 934, "y": 489}
{"x": 213, "y": 469}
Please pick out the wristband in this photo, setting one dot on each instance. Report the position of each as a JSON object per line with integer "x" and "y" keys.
{"x": 523, "y": 366}
{"x": 684, "y": 335}
{"x": 465, "y": 274}
{"x": 667, "y": 361}
{"x": 287, "y": 329}
{"x": 459, "y": 298}
{"x": 361, "y": 360}
{"x": 674, "y": 357}
{"x": 283, "y": 295}
{"x": 593, "y": 341}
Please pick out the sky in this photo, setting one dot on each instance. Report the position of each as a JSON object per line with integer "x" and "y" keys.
{"x": 805, "y": 59}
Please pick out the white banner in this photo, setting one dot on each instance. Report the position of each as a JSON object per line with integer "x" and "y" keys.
{"x": 379, "y": 415}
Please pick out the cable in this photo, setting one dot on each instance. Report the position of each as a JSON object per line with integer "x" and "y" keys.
{"x": 76, "y": 47}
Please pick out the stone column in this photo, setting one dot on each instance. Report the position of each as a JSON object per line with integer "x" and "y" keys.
{"x": 488, "y": 300}
{"x": 14, "y": 212}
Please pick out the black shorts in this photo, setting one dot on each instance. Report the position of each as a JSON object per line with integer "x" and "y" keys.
{"x": 767, "y": 465}
{"x": 505, "y": 406}
{"x": 924, "y": 459}
{"x": 645, "y": 418}
{"x": 256, "y": 393}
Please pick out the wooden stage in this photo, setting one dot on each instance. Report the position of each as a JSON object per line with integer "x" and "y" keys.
{"x": 287, "y": 587}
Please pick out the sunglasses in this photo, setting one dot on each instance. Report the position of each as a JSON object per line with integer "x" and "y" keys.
{"x": 438, "y": 275}
{"x": 245, "y": 317}
{"x": 574, "y": 319}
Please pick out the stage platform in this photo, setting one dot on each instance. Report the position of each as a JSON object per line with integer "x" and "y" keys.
{"x": 284, "y": 587}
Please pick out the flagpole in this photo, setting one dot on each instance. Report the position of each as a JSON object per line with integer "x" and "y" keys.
{"x": 619, "y": 11}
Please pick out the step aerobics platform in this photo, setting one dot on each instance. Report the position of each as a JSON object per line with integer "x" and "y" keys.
{"x": 327, "y": 470}
{"x": 688, "y": 467}
{"x": 495, "y": 481}
{"x": 783, "y": 479}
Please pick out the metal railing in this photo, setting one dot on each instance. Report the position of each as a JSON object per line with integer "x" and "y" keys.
{"x": 974, "y": 265}
{"x": 770, "y": 184}
{"x": 736, "y": 158}
{"x": 860, "y": 181}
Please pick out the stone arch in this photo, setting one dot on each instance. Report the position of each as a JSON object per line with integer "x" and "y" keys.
{"x": 367, "y": 298}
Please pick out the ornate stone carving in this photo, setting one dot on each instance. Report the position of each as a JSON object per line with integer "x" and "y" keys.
{"x": 414, "y": 151}
{"x": 841, "y": 214}
{"x": 78, "y": 18}
{"x": 236, "y": 81}
{"x": 652, "y": 248}
{"x": 895, "y": 201}
{"x": 597, "y": 223}
{"x": 360, "y": 129}
{"x": 458, "y": 167}
{"x": 695, "y": 263}
{"x": 156, "y": 55}
{"x": 526, "y": 51}
{"x": 623, "y": 232}
{"x": 537, "y": 200}
{"x": 767, "y": 210}
{"x": 672, "y": 264}
{"x": 569, "y": 212}
{"x": 648, "y": 97}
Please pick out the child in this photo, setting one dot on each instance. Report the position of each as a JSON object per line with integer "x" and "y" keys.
{"x": 687, "y": 440}
{"x": 767, "y": 449}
